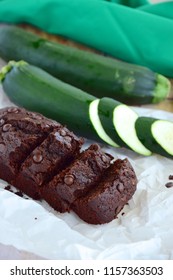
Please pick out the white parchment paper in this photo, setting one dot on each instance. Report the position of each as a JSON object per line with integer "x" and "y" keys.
{"x": 143, "y": 229}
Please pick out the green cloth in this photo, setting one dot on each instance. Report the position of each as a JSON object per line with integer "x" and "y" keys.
{"x": 134, "y": 35}
{"x": 161, "y": 9}
{"x": 131, "y": 3}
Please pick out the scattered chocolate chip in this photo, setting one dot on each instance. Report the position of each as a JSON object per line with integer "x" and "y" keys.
{"x": 19, "y": 193}
{"x": 37, "y": 158}
{"x": 122, "y": 213}
{"x": 170, "y": 177}
{"x": 2, "y": 122}
{"x": 35, "y": 218}
{"x": 8, "y": 188}
{"x": 69, "y": 179}
{"x": 6, "y": 127}
{"x": 169, "y": 185}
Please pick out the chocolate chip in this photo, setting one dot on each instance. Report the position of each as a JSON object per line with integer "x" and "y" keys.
{"x": 104, "y": 158}
{"x": 170, "y": 177}
{"x": 62, "y": 132}
{"x": 169, "y": 185}
{"x": 118, "y": 209}
{"x": 120, "y": 187}
{"x": 13, "y": 110}
{"x": 19, "y": 193}
{"x": 6, "y": 127}
{"x": 34, "y": 115}
{"x": 67, "y": 138}
{"x": 126, "y": 172}
{"x": 2, "y": 147}
{"x": 8, "y": 188}
{"x": 68, "y": 141}
{"x": 133, "y": 182}
{"x": 2, "y": 122}
{"x": 124, "y": 198}
{"x": 69, "y": 179}
{"x": 47, "y": 125}
{"x": 39, "y": 117}
{"x": 37, "y": 158}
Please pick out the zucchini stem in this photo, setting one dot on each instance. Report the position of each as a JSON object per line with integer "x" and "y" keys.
{"x": 162, "y": 88}
{"x": 7, "y": 68}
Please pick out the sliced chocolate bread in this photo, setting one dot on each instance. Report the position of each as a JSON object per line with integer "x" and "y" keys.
{"x": 77, "y": 179}
{"x": 42, "y": 158}
{"x": 54, "y": 153}
{"x": 103, "y": 202}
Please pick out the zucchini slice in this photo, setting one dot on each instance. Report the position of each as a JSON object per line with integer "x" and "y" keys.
{"x": 106, "y": 107}
{"x": 94, "y": 117}
{"x": 124, "y": 120}
{"x": 156, "y": 134}
{"x": 121, "y": 120}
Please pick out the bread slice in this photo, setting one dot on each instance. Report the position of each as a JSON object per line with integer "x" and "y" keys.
{"x": 78, "y": 178}
{"x": 103, "y": 203}
{"x": 54, "y": 153}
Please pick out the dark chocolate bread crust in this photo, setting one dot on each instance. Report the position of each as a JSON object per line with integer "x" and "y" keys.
{"x": 42, "y": 158}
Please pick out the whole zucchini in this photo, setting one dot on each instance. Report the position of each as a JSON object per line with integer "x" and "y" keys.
{"x": 96, "y": 74}
{"x": 102, "y": 119}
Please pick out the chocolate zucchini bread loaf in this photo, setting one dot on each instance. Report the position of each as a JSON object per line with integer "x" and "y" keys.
{"x": 42, "y": 158}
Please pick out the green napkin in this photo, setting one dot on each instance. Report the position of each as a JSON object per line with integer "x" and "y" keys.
{"x": 131, "y": 3}
{"x": 161, "y": 9}
{"x": 127, "y": 33}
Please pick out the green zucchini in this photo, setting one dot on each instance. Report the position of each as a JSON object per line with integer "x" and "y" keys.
{"x": 34, "y": 89}
{"x": 94, "y": 73}
{"x": 102, "y": 119}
